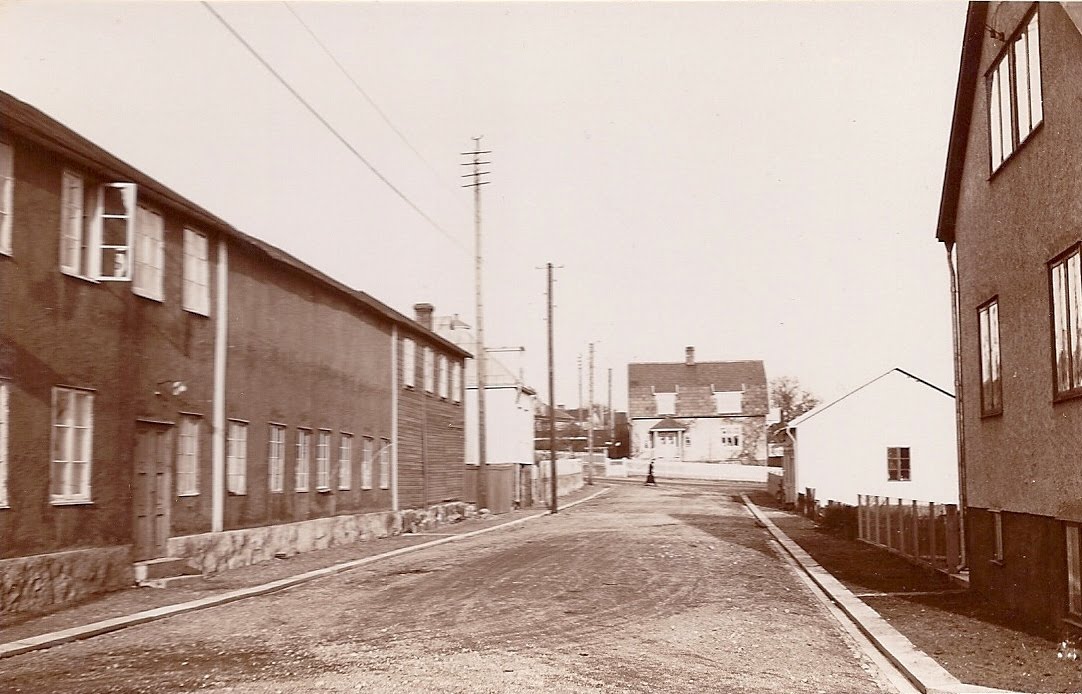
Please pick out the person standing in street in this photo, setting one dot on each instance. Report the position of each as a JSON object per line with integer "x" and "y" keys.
{"x": 650, "y": 475}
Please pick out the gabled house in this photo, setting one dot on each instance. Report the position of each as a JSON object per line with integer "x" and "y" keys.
{"x": 698, "y": 412}
{"x": 174, "y": 389}
{"x": 1011, "y": 222}
{"x": 892, "y": 437}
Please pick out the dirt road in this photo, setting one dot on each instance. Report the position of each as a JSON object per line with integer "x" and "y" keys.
{"x": 642, "y": 590}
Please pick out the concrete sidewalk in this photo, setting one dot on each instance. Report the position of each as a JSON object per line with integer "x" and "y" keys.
{"x": 113, "y": 611}
{"x": 923, "y": 671}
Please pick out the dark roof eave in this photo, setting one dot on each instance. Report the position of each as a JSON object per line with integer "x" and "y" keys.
{"x": 964, "y": 95}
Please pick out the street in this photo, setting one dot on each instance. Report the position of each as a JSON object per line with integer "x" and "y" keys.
{"x": 669, "y": 589}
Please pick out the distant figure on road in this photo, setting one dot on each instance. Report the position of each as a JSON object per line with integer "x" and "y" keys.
{"x": 650, "y": 475}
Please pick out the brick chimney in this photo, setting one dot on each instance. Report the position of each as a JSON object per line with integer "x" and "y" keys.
{"x": 689, "y": 356}
{"x": 422, "y": 313}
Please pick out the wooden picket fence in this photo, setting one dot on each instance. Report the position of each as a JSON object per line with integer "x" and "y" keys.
{"x": 926, "y": 532}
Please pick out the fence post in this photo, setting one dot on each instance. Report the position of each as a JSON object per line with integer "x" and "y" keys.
{"x": 933, "y": 551}
{"x": 860, "y": 516}
{"x": 953, "y": 558}
{"x": 900, "y": 512}
{"x": 875, "y": 520}
{"x": 888, "y": 543}
{"x": 914, "y": 529}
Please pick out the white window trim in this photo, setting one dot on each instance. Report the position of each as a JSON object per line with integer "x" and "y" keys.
{"x": 429, "y": 364}
{"x": 5, "y": 417}
{"x": 148, "y": 258}
{"x": 7, "y": 196}
{"x": 661, "y": 397}
{"x": 83, "y": 494}
{"x": 442, "y": 377}
{"x": 72, "y": 222}
{"x": 409, "y": 363}
{"x": 384, "y": 458}
{"x": 456, "y": 381}
{"x": 908, "y": 459}
{"x": 192, "y": 457}
{"x": 345, "y": 461}
{"x": 122, "y": 254}
{"x": 367, "y": 458}
{"x": 236, "y": 458}
{"x": 195, "y": 291}
{"x": 276, "y": 458}
{"x": 304, "y": 460}
{"x": 323, "y": 460}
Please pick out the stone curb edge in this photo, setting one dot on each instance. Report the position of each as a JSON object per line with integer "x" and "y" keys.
{"x": 921, "y": 669}
{"x": 106, "y": 626}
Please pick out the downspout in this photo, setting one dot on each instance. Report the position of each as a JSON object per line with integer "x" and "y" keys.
{"x": 217, "y": 521}
{"x": 394, "y": 417}
{"x": 959, "y": 412}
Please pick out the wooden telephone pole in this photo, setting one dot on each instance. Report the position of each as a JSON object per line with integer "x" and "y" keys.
{"x": 479, "y": 350}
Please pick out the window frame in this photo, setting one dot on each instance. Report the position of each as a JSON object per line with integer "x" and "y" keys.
{"x": 303, "y": 454}
{"x": 188, "y": 460}
{"x": 657, "y": 403}
{"x": 409, "y": 363}
{"x": 722, "y": 395}
{"x": 7, "y": 197}
{"x": 323, "y": 460}
{"x": 195, "y": 274}
{"x": 276, "y": 457}
{"x": 5, "y": 418}
{"x": 894, "y": 463}
{"x": 148, "y": 283}
{"x": 236, "y": 466}
{"x": 73, "y": 219}
{"x": 991, "y": 397}
{"x": 442, "y": 377}
{"x": 428, "y": 357}
{"x": 384, "y": 459}
{"x": 1074, "y": 370}
{"x": 1073, "y": 536}
{"x": 456, "y": 381}
{"x": 997, "y": 535}
{"x": 733, "y": 432}
{"x": 1005, "y": 69}
{"x": 345, "y": 461}
{"x": 367, "y": 459}
{"x": 84, "y": 491}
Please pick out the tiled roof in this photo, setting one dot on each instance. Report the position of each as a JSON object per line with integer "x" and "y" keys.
{"x": 669, "y": 424}
{"x": 723, "y": 375}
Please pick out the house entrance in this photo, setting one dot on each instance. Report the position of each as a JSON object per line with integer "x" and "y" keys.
{"x": 152, "y": 490}
{"x": 667, "y": 445}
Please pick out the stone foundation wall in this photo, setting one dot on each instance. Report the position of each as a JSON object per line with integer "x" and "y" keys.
{"x": 214, "y": 552}
{"x": 44, "y": 582}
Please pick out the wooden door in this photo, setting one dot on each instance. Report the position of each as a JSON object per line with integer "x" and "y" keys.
{"x": 152, "y": 489}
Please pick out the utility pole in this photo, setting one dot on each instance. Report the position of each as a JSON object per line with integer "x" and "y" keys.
{"x": 553, "y": 507}
{"x": 590, "y": 424}
{"x": 479, "y": 351}
{"x": 611, "y": 418}
{"x": 578, "y": 416}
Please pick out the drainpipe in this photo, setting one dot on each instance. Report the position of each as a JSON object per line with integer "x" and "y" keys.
{"x": 217, "y": 519}
{"x": 394, "y": 417}
{"x": 959, "y": 412}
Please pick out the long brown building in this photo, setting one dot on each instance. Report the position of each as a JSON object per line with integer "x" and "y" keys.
{"x": 172, "y": 387}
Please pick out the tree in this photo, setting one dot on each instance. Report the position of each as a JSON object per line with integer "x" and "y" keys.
{"x": 787, "y": 395}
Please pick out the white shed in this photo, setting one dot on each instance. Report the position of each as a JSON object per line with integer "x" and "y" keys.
{"x": 893, "y": 437}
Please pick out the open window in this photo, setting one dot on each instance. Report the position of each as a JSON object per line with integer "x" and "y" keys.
{"x": 113, "y": 233}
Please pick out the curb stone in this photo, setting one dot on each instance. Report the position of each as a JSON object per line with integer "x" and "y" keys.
{"x": 42, "y": 641}
{"x": 924, "y": 672}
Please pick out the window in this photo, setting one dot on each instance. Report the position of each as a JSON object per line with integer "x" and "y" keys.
{"x": 1074, "y": 572}
{"x": 323, "y": 460}
{"x": 384, "y": 464}
{"x": 4, "y": 416}
{"x": 196, "y": 292}
{"x": 429, "y": 367}
{"x": 409, "y": 363}
{"x": 444, "y": 377}
{"x": 276, "y": 456}
{"x": 345, "y": 461}
{"x": 997, "y": 530}
{"x": 1067, "y": 321}
{"x": 665, "y": 402}
{"x": 72, "y": 198}
{"x": 730, "y": 437}
{"x": 991, "y": 383}
{"x": 112, "y": 233}
{"x": 149, "y": 254}
{"x": 366, "y": 464}
{"x": 1014, "y": 93}
{"x": 456, "y": 382}
{"x": 188, "y": 456}
{"x": 729, "y": 402}
{"x": 304, "y": 452}
{"x": 236, "y": 457}
{"x": 898, "y": 464}
{"x": 73, "y": 429}
{"x": 7, "y": 195}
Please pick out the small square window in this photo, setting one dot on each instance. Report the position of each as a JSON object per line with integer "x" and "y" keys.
{"x": 898, "y": 464}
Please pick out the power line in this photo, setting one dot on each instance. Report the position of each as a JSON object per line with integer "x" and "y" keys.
{"x": 334, "y": 132}
{"x": 369, "y": 99}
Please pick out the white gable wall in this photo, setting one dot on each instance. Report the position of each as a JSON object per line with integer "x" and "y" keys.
{"x": 842, "y": 451}
{"x": 509, "y": 425}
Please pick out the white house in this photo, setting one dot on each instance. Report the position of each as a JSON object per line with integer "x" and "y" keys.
{"x": 509, "y": 403}
{"x": 892, "y": 437}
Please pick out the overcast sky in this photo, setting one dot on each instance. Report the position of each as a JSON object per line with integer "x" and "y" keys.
{"x": 759, "y": 180}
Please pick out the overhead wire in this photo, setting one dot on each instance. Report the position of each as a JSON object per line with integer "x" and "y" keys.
{"x": 371, "y": 102}
{"x": 378, "y": 174}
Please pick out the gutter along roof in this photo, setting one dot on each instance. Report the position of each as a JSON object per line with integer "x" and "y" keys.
{"x": 26, "y": 121}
